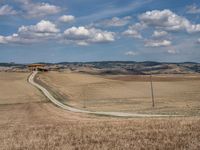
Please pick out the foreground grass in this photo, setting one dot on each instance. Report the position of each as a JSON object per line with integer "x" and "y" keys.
{"x": 121, "y": 134}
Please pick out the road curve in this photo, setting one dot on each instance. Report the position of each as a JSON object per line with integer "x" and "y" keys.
{"x": 76, "y": 110}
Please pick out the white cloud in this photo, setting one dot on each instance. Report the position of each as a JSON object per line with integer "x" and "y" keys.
{"x": 77, "y": 33}
{"x": 167, "y": 20}
{"x": 138, "y": 26}
{"x": 198, "y": 41}
{"x": 43, "y": 30}
{"x": 193, "y": 9}
{"x": 83, "y": 35}
{"x": 164, "y": 19}
{"x": 66, "y": 18}
{"x": 172, "y": 51}
{"x": 7, "y": 10}
{"x": 115, "y": 22}
{"x": 194, "y": 28}
{"x": 82, "y": 43}
{"x": 157, "y": 43}
{"x": 2, "y": 40}
{"x": 159, "y": 33}
{"x": 44, "y": 26}
{"x": 133, "y": 31}
{"x": 46, "y": 30}
{"x": 131, "y": 53}
{"x": 15, "y": 38}
{"x": 35, "y": 10}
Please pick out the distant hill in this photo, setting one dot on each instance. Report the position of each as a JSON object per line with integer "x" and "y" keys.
{"x": 119, "y": 67}
{"x": 132, "y": 67}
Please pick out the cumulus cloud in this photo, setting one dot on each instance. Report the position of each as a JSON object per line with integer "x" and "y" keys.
{"x": 193, "y": 9}
{"x": 157, "y": 43}
{"x": 84, "y": 36}
{"x": 77, "y": 33}
{"x": 16, "y": 39}
{"x": 115, "y": 22}
{"x": 44, "y": 26}
{"x": 159, "y": 33}
{"x": 46, "y": 30}
{"x": 134, "y": 30}
{"x": 132, "y": 33}
{"x": 167, "y": 20}
{"x": 43, "y": 30}
{"x": 7, "y": 10}
{"x": 131, "y": 53}
{"x": 66, "y": 18}
{"x": 138, "y": 26}
{"x": 35, "y": 10}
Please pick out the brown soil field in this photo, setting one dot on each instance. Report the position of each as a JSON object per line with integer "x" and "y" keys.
{"x": 174, "y": 94}
{"x": 28, "y": 121}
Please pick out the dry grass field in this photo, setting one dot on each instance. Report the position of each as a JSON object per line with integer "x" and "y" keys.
{"x": 174, "y": 94}
{"x": 28, "y": 121}
{"x": 15, "y": 89}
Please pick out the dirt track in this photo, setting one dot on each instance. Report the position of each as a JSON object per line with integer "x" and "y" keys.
{"x": 73, "y": 109}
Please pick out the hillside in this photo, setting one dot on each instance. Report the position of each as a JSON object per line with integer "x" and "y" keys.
{"x": 115, "y": 67}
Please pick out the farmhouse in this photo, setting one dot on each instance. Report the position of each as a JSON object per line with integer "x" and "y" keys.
{"x": 37, "y": 67}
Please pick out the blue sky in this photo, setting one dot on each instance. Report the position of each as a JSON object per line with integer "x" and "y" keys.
{"x": 99, "y": 30}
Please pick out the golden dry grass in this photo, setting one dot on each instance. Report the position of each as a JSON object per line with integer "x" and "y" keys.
{"x": 40, "y": 125}
{"x": 14, "y": 88}
{"x": 174, "y": 94}
{"x": 41, "y": 129}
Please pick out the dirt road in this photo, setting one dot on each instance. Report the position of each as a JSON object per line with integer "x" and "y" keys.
{"x": 56, "y": 102}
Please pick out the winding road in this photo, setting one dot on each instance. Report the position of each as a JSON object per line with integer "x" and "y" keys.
{"x": 76, "y": 110}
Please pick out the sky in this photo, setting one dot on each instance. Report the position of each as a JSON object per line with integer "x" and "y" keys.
{"x": 99, "y": 30}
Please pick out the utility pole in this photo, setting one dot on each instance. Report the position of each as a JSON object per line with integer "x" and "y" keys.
{"x": 84, "y": 97}
{"x": 152, "y": 91}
